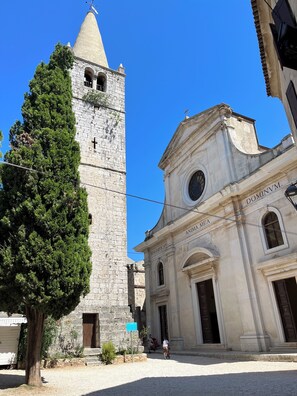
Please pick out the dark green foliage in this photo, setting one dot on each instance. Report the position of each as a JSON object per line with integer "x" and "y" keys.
{"x": 22, "y": 346}
{"x": 96, "y": 98}
{"x": 108, "y": 352}
{"x": 49, "y": 334}
{"x": 1, "y": 136}
{"x": 44, "y": 253}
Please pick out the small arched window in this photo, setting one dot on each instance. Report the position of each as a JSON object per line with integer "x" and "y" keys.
{"x": 160, "y": 274}
{"x": 101, "y": 83}
{"x": 88, "y": 79}
{"x": 272, "y": 230}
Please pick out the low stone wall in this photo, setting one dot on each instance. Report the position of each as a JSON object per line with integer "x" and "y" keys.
{"x": 75, "y": 362}
{"x": 56, "y": 363}
{"x": 139, "y": 357}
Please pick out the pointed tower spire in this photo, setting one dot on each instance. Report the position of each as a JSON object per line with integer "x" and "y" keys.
{"x": 89, "y": 45}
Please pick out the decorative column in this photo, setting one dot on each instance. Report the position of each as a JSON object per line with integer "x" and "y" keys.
{"x": 176, "y": 341}
{"x": 148, "y": 312}
{"x": 253, "y": 337}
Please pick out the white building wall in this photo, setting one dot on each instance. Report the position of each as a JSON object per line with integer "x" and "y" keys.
{"x": 220, "y": 237}
{"x": 9, "y": 338}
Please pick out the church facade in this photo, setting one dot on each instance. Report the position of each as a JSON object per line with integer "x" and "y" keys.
{"x": 99, "y": 107}
{"x": 221, "y": 262}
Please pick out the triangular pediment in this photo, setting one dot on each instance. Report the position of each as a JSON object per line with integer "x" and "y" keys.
{"x": 191, "y": 126}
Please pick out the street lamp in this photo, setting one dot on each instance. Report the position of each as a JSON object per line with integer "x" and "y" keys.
{"x": 291, "y": 194}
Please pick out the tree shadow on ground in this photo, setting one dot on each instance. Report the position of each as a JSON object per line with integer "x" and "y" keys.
{"x": 265, "y": 383}
{"x": 203, "y": 359}
{"x": 10, "y": 380}
{"x": 13, "y": 381}
{"x": 15, "y": 385}
{"x": 191, "y": 359}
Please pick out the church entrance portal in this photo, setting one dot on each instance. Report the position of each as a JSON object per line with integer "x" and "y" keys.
{"x": 286, "y": 295}
{"x": 208, "y": 313}
{"x": 89, "y": 330}
{"x": 163, "y": 322}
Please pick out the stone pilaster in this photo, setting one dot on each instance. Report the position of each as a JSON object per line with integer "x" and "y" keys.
{"x": 176, "y": 341}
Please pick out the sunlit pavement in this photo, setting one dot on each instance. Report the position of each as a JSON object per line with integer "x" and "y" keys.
{"x": 181, "y": 375}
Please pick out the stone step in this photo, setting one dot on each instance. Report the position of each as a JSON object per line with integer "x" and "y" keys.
{"x": 283, "y": 349}
{"x": 92, "y": 351}
{"x": 93, "y": 364}
{"x": 92, "y": 360}
{"x": 210, "y": 347}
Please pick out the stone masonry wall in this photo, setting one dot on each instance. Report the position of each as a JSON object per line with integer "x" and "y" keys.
{"x": 103, "y": 170}
{"x": 103, "y": 173}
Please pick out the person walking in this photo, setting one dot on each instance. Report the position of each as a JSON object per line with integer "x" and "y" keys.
{"x": 166, "y": 351}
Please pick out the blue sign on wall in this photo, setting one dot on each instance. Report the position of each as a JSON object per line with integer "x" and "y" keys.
{"x": 131, "y": 326}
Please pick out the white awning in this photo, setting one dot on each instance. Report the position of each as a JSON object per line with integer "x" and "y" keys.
{"x": 12, "y": 321}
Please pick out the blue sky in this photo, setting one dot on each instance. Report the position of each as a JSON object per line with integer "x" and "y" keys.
{"x": 178, "y": 55}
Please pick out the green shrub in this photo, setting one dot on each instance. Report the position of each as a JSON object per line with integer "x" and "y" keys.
{"x": 97, "y": 98}
{"x": 49, "y": 334}
{"x": 108, "y": 352}
{"x": 22, "y": 343}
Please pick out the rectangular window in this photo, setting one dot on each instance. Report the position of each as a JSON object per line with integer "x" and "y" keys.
{"x": 273, "y": 231}
{"x": 282, "y": 14}
{"x": 292, "y": 100}
{"x": 284, "y": 32}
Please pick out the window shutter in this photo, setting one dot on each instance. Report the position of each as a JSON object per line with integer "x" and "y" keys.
{"x": 282, "y": 14}
{"x": 292, "y": 100}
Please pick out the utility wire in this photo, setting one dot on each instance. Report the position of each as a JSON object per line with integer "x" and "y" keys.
{"x": 159, "y": 202}
{"x": 182, "y": 208}
{"x": 22, "y": 167}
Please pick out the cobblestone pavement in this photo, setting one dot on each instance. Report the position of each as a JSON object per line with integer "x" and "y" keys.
{"x": 181, "y": 375}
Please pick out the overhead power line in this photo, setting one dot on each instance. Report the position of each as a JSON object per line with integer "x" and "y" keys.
{"x": 194, "y": 210}
{"x": 182, "y": 208}
{"x": 22, "y": 167}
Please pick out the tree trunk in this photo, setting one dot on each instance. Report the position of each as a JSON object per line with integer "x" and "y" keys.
{"x": 35, "y": 320}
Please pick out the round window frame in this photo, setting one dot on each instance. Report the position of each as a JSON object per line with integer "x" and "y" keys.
{"x": 192, "y": 195}
{"x": 188, "y": 176}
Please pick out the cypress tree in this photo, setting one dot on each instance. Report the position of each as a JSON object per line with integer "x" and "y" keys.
{"x": 44, "y": 253}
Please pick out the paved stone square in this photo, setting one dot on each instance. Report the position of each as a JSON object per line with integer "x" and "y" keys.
{"x": 181, "y": 375}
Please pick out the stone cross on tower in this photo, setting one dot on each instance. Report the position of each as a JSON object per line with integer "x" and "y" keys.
{"x": 94, "y": 143}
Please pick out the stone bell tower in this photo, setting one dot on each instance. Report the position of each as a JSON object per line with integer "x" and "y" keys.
{"x": 99, "y": 107}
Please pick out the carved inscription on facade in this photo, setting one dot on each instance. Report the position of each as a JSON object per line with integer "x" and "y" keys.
{"x": 197, "y": 227}
{"x": 261, "y": 194}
